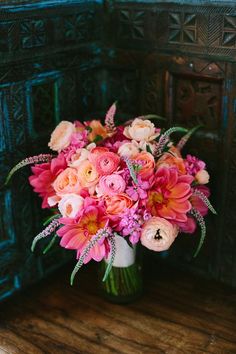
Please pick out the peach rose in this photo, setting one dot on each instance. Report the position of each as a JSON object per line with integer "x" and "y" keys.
{"x": 116, "y": 204}
{"x": 147, "y": 164}
{"x": 61, "y": 136}
{"x": 67, "y": 182}
{"x": 141, "y": 130}
{"x": 129, "y": 149}
{"x": 158, "y": 234}
{"x": 70, "y": 205}
{"x": 202, "y": 177}
{"x": 87, "y": 174}
{"x": 97, "y": 129}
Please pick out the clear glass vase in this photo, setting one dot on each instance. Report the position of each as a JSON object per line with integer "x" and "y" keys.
{"x": 124, "y": 283}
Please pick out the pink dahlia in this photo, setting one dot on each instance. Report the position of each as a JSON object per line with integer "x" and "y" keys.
{"x": 76, "y": 234}
{"x": 44, "y": 175}
{"x": 169, "y": 196}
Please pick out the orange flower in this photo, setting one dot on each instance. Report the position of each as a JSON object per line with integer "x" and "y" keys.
{"x": 172, "y": 158}
{"x": 87, "y": 174}
{"x": 147, "y": 163}
{"x": 67, "y": 182}
{"x": 97, "y": 130}
{"x": 116, "y": 204}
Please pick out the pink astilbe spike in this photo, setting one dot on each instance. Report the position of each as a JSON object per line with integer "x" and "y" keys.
{"x": 28, "y": 161}
{"x": 109, "y": 119}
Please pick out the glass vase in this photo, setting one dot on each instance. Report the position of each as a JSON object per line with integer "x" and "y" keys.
{"x": 124, "y": 283}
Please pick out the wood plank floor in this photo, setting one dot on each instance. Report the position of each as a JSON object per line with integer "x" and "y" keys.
{"x": 178, "y": 313}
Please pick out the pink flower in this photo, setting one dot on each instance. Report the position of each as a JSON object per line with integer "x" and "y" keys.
{"x": 193, "y": 165}
{"x": 158, "y": 234}
{"x": 70, "y": 205}
{"x": 43, "y": 177}
{"x": 67, "y": 182}
{"x": 130, "y": 225}
{"x": 146, "y": 162}
{"x": 189, "y": 226}
{"x": 61, "y": 136}
{"x": 111, "y": 185}
{"x": 116, "y": 204}
{"x": 139, "y": 191}
{"x": 77, "y": 234}
{"x": 169, "y": 196}
{"x": 106, "y": 163}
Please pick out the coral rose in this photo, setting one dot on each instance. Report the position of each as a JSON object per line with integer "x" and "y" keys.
{"x": 147, "y": 164}
{"x": 141, "y": 130}
{"x": 70, "y": 205}
{"x": 169, "y": 160}
{"x": 67, "y": 182}
{"x": 117, "y": 204}
{"x": 111, "y": 185}
{"x": 87, "y": 174}
{"x": 61, "y": 136}
{"x": 158, "y": 234}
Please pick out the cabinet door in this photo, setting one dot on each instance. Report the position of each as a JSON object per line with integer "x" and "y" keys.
{"x": 191, "y": 92}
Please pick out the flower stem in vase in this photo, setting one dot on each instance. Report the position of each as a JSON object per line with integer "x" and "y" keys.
{"x": 124, "y": 282}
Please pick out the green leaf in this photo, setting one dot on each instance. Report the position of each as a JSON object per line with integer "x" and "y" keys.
{"x": 51, "y": 243}
{"x": 97, "y": 139}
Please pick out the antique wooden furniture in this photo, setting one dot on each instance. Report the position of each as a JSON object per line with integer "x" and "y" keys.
{"x": 71, "y": 59}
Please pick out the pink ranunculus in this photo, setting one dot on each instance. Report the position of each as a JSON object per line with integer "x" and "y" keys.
{"x": 106, "y": 163}
{"x": 170, "y": 194}
{"x": 70, "y": 205}
{"x": 61, "y": 136}
{"x": 158, "y": 234}
{"x": 129, "y": 149}
{"x": 141, "y": 130}
{"x": 147, "y": 164}
{"x": 43, "y": 177}
{"x": 116, "y": 204}
{"x": 111, "y": 185}
{"x": 202, "y": 177}
{"x": 87, "y": 174}
{"x": 67, "y": 182}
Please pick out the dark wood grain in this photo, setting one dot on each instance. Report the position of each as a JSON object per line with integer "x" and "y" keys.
{"x": 178, "y": 313}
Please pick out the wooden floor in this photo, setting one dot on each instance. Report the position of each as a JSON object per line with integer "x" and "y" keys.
{"x": 178, "y": 313}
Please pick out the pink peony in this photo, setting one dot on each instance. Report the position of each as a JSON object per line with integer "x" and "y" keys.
{"x": 158, "y": 234}
{"x": 111, "y": 185}
{"x": 43, "y": 177}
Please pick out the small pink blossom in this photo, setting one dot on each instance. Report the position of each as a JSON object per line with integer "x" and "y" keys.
{"x": 193, "y": 165}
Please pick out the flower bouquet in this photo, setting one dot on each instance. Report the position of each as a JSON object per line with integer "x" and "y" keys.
{"x": 111, "y": 187}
